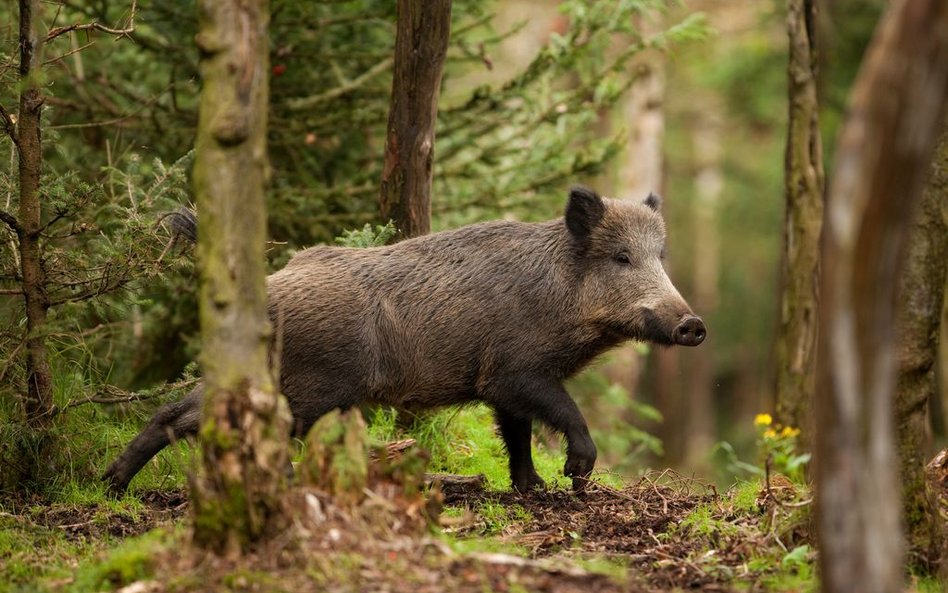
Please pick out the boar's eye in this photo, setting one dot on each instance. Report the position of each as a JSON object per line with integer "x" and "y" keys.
{"x": 623, "y": 258}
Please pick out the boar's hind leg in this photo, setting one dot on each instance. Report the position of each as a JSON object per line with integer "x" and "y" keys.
{"x": 546, "y": 399}
{"x": 517, "y": 433}
{"x": 173, "y": 421}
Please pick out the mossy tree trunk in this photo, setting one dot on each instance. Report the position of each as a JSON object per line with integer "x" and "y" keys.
{"x": 421, "y": 43}
{"x": 884, "y": 151}
{"x": 245, "y": 422}
{"x": 804, "y": 181}
{"x": 921, "y": 297}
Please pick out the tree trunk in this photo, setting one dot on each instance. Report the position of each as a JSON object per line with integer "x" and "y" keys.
{"x": 39, "y": 396}
{"x": 707, "y": 245}
{"x": 638, "y": 173}
{"x": 804, "y": 180}
{"x": 921, "y": 297}
{"x": 421, "y": 44}
{"x": 244, "y": 427}
{"x": 885, "y": 147}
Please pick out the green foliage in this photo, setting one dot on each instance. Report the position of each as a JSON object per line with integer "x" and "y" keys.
{"x": 101, "y": 243}
{"x": 778, "y": 451}
{"x": 778, "y": 448}
{"x": 368, "y": 236}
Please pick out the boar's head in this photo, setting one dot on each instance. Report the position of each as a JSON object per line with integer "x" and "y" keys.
{"x": 619, "y": 246}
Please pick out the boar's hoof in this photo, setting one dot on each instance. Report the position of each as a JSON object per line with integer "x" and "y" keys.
{"x": 579, "y": 466}
{"x": 690, "y": 332}
{"x": 115, "y": 486}
{"x": 528, "y": 482}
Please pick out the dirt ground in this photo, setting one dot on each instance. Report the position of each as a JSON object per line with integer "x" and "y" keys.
{"x": 557, "y": 541}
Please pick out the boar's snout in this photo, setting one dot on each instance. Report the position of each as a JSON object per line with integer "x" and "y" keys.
{"x": 690, "y": 331}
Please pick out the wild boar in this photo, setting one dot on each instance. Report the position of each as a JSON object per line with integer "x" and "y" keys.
{"x": 499, "y": 312}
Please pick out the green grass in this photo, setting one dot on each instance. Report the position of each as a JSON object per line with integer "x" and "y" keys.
{"x": 36, "y": 558}
{"x": 926, "y": 584}
{"x": 132, "y": 560}
{"x": 465, "y": 441}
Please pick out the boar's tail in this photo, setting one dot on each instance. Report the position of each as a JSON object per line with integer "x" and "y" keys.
{"x": 183, "y": 224}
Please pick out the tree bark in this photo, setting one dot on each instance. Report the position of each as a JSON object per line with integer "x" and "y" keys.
{"x": 804, "y": 185}
{"x": 709, "y": 184}
{"x": 885, "y": 147}
{"x": 39, "y": 396}
{"x": 921, "y": 297}
{"x": 421, "y": 44}
{"x": 244, "y": 427}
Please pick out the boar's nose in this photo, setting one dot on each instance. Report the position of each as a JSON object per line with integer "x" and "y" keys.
{"x": 690, "y": 332}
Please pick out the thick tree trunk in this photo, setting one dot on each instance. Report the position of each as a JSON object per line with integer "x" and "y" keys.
{"x": 884, "y": 151}
{"x": 796, "y": 338}
{"x": 244, "y": 427}
{"x": 921, "y": 297}
{"x": 39, "y": 396}
{"x": 421, "y": 44}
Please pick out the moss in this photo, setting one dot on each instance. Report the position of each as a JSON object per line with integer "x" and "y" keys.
{"x": 132, "y": 561}
{"x": 335, "y": 458}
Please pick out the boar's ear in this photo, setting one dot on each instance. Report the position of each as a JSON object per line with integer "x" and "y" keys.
{"x": 654, "y": 201}
{"x": 584, "y": 211}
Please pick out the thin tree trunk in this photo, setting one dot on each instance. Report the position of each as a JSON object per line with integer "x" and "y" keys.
{"x": 804, "y": 181}
{"x": 421, "y": 44}
{"x": 639, "y": 172}
{"x": 245, "y": 422}
{"x": 921, "y": 297}
{"x": 884, "y": 150}
{"x": 39, "y": 397}
{"x": 707, "y": 244}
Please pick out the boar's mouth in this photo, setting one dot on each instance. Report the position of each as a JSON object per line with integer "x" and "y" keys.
{"x": 654, "y": 329}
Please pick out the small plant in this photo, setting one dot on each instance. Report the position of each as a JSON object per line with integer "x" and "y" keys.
{"x": 778, "y": 448}
{"x": 778, "y": 451}
{"x": 367, "y": 236}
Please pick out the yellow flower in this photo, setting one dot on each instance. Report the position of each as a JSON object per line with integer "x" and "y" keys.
{"x": 763, "y": 420}
{"x": 789, "y": 432}
{"x": 770, "y": 434}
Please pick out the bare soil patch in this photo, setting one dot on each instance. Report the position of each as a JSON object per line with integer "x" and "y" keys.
{"x": 96, "y": 521}
{"x": 635, "y": 526}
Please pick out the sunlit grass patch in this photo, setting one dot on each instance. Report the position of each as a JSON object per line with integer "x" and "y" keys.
{"x": 464, "y": 441}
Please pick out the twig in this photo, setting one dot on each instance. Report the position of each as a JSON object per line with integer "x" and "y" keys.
{"x": 355, "y": 83}
{"x": 69, "y": 53}
{"x": 95, "y": 26}
{"x": 126, "y": 397}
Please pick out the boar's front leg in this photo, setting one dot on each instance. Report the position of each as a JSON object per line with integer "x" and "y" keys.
{"x": 545, "y": 398}
{"x": 517, "y": 432}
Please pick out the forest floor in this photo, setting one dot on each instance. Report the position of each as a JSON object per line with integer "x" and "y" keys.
{"x": 663, "y": 532}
